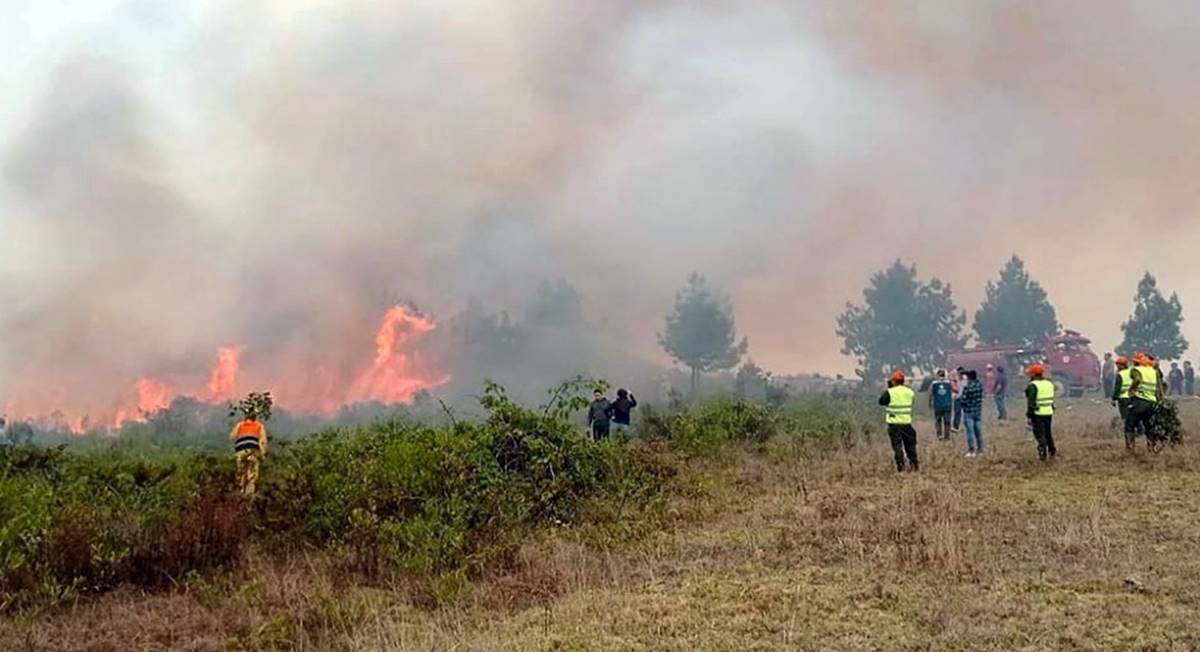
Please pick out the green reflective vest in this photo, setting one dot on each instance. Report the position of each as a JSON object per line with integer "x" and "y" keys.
{"x": 900, "y": 406}
{"x": 1126, "y": 377}
{"x": 1045, "y": 398}
{"x": 1148, "y": 387}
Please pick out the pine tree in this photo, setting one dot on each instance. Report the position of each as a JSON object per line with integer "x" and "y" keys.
{"x": 700, "y": 330}
{"x": 1015, "y": 310}
{"x": 904, "y": 324}
{"x": 1154, "y": 326}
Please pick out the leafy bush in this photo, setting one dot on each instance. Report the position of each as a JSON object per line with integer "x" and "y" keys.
{"x": 436, "y": 503}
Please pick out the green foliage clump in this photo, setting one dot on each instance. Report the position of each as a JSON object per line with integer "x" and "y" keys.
{"x": 84, "y": 523}
{"x": 435, "y": 503}
{"x": 435, "y": 500}
{"x": 1166, "y": 423}
{"x": 256, "y": 405}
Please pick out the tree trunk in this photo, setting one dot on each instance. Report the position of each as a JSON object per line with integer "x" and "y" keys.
{"x": 695, "y": 379}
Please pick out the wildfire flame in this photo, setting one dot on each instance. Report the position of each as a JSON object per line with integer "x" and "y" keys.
{"x": 395, "y": 375}
{"x": 223, "y": 382}
{"x": 153, "y": 395}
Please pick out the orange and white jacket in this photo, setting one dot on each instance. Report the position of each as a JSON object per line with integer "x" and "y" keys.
{"x": 249, "y": 435}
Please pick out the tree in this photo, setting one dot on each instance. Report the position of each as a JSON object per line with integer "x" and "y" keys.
{"x": 700, "y": 330}
{"x": 1015, "y": 310}
{"x": 904, "y": 324}
{"x": 1154, "y": 326}
{"x": 556, "y": 305}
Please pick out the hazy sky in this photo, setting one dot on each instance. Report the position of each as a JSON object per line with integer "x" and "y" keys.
{"x": 178, "y": 176}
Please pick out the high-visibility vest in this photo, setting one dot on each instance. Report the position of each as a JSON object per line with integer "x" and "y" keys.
{"x": 1126, "y": 376}
{"x": 1148, "y": 387}
{"x": 1045, "y": 398}
{"x": 249, "y": 435}
{"x": 900, "y": 406}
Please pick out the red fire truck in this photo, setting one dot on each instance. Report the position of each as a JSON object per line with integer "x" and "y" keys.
{"x": 1069, "y": 359}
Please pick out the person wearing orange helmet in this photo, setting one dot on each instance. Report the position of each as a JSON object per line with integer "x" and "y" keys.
{"x": 1121, "y": 385}
{"x": 898, "y": 398}
{"x": 1144, "y": 391}
{"x": 1039, "y": 399}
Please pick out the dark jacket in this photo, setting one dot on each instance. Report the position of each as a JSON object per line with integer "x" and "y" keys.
{"x": 1030, "y": 400}
{"x": 600, "y": 411}
{"x": 972, "y": 398}
{"x": 1001, "y": 384}
{"x": 621, "y": 409}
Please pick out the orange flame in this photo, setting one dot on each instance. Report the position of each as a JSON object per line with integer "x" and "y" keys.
{"x": 223, "y": 381}
{"x": 153, "y": 395}
{"x": 396, "y": 375}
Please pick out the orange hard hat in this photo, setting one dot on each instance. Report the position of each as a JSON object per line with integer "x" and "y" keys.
{"x": 1123, "y": 361}
{"x": 898, "y": 376}
{"x": 1036, "y": 370}
{"x": 1140, "y": 358}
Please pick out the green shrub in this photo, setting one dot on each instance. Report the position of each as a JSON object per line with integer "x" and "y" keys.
{"x": 440, "y": 503}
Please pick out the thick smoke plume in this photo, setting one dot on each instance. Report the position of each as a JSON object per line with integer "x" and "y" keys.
{"x": 280, "y": 175}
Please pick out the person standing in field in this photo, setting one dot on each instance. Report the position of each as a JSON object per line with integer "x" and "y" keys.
{"x": 898, "y": 398}
{"x": 622, "y": 412}
{"x": 599, "y": 415}
{"x": 1189, "y": 379}
{"x": 971, "y": 403}
{"x": 1120, "y": 393}
{"x": 1108, "y": 374}
{"x": 957, "y": 383}
{"x": 249, "y": 448}
{"x": 941, "y": 401}
{"x": 1144, "y": 390}
{"x": 1001, "y": 394}
{"x": 1039, "y": 409}
{"x": 1175, "y": 380}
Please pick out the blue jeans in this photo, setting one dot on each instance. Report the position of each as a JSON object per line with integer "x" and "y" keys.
{"x": 958, "y": 413}
{"x": 620, "y": 428}
{"x": 974, "y": 425}
{"x": 1001, "y": 407}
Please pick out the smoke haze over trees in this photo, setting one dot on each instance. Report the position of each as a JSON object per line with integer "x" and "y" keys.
{"x": 1015, "y": 309}
{"x": 700, "y": 331}
{"x": 903, "y": 324}
{"x": 177, "y": 177}
{"x": 1154, "y": 325}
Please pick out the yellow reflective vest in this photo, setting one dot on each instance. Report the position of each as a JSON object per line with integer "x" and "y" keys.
{"x": 1126, "y": 378}
{"x": 900, "y": 406}
{"x": 1148, "y": 387}
{"x": 1045, "y": 398}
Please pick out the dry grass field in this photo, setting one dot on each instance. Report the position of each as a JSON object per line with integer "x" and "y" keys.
{"x": 776, "y": 550}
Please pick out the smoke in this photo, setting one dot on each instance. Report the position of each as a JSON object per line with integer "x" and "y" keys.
{"x": 277, "y": 175}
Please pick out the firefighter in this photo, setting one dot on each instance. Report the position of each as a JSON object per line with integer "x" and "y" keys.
{"x": 1039, "y": 398}
{"x": 249, "y": 448}
{"x": 898, "y": 398}
{"x": 1144, "y": 395}
{"x": 1121, "y": 385}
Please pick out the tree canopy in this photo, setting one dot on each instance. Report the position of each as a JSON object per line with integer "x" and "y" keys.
{"x": 1154, "y": 326}
{"x": 903, "y": 324}
{"x": 1015, "y": 309}
{"x": 700, "y": 331}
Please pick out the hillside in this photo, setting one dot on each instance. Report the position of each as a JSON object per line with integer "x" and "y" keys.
{"x": 761, "y": 547}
